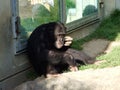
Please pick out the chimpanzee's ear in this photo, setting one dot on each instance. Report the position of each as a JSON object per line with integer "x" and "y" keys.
{"x": 62, "y": 25}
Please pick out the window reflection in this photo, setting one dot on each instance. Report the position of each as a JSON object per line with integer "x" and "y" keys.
{"x": 32, "y": 13}
{"x": 77, "y": 9}
{"x": 35, "y": 12}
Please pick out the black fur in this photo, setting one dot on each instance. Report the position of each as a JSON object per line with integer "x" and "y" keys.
{"x": 45, "y": 57}
{"x": 43, "y": 54}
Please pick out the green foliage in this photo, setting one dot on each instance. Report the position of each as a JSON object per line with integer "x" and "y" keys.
{"x": 43, "y": 16}
{"x": 89, "y": 10}
{"x": 42, "y": 11}
{"x": 54, "y": 14}
{"x": 110, "y": 60}
{"x": 70, "y": 4}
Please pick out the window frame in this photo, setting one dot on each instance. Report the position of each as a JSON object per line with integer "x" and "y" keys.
{"x": 82, "y": 21}
{"x": 62, "y": 11}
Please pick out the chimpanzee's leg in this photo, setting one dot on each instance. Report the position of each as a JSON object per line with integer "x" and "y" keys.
{"x": 59, "y": 61}
{"x": 51, "y": 71}
{"x": 81, "y": 57}
{"x": 69, "y": 59}
{"x": 54, "y": 63}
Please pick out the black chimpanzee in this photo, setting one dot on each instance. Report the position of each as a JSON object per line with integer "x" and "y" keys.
{"x": 48, "y": 49}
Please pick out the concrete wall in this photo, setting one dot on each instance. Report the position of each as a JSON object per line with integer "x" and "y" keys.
{"x": 110, "y": 5}
{"x": 82, "y": 32}
{"x": 117, "y": 4}
{"x": 9, "y": 63}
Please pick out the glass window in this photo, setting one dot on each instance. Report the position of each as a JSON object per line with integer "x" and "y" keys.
{"x": 32, "y": 13}
{"x": 28, "y": 14}
{"x": 77, "y": 9}
{"x": 35, "y": 12}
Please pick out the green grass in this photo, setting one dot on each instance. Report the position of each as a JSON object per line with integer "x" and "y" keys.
{"x": 111, "y": 59}
{"x": 109, "y": 29}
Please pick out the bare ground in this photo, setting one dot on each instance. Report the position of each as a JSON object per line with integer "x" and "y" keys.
{"x": 98, "y": 46}
{"x": 95, "y": 47}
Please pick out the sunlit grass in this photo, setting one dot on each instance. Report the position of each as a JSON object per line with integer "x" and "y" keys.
{"x": 110, "y": 60}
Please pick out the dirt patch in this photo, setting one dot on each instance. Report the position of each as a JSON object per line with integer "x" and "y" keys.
{"x": 95, "y": 47}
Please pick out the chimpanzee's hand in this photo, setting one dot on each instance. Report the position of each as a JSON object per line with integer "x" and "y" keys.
{"x": 68, "y": 40}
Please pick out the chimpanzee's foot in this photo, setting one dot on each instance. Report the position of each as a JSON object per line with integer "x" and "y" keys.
{"x": 73, "y": 68}
{"x": 52, "y": 75}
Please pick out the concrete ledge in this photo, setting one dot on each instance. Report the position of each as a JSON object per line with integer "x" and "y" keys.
{"x": 100, "y": 79}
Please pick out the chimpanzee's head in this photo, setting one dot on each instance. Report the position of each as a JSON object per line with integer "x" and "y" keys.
{"x": 59, "y": 33}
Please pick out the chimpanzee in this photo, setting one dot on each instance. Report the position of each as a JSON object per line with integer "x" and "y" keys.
{"x": 48, "y": 49}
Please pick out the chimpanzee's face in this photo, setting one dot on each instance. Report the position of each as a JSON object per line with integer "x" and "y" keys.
{"x": 59, "y": 33}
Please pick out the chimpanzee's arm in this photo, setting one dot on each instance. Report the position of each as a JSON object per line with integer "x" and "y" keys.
{"x": 64, "y": 48}
{"x": 55, "y": 57}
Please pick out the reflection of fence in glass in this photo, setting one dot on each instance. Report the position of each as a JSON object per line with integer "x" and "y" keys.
{"x": 82, "y": 8}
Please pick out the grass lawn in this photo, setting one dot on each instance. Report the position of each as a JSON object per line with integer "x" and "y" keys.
{"x": 109, "y": 29}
